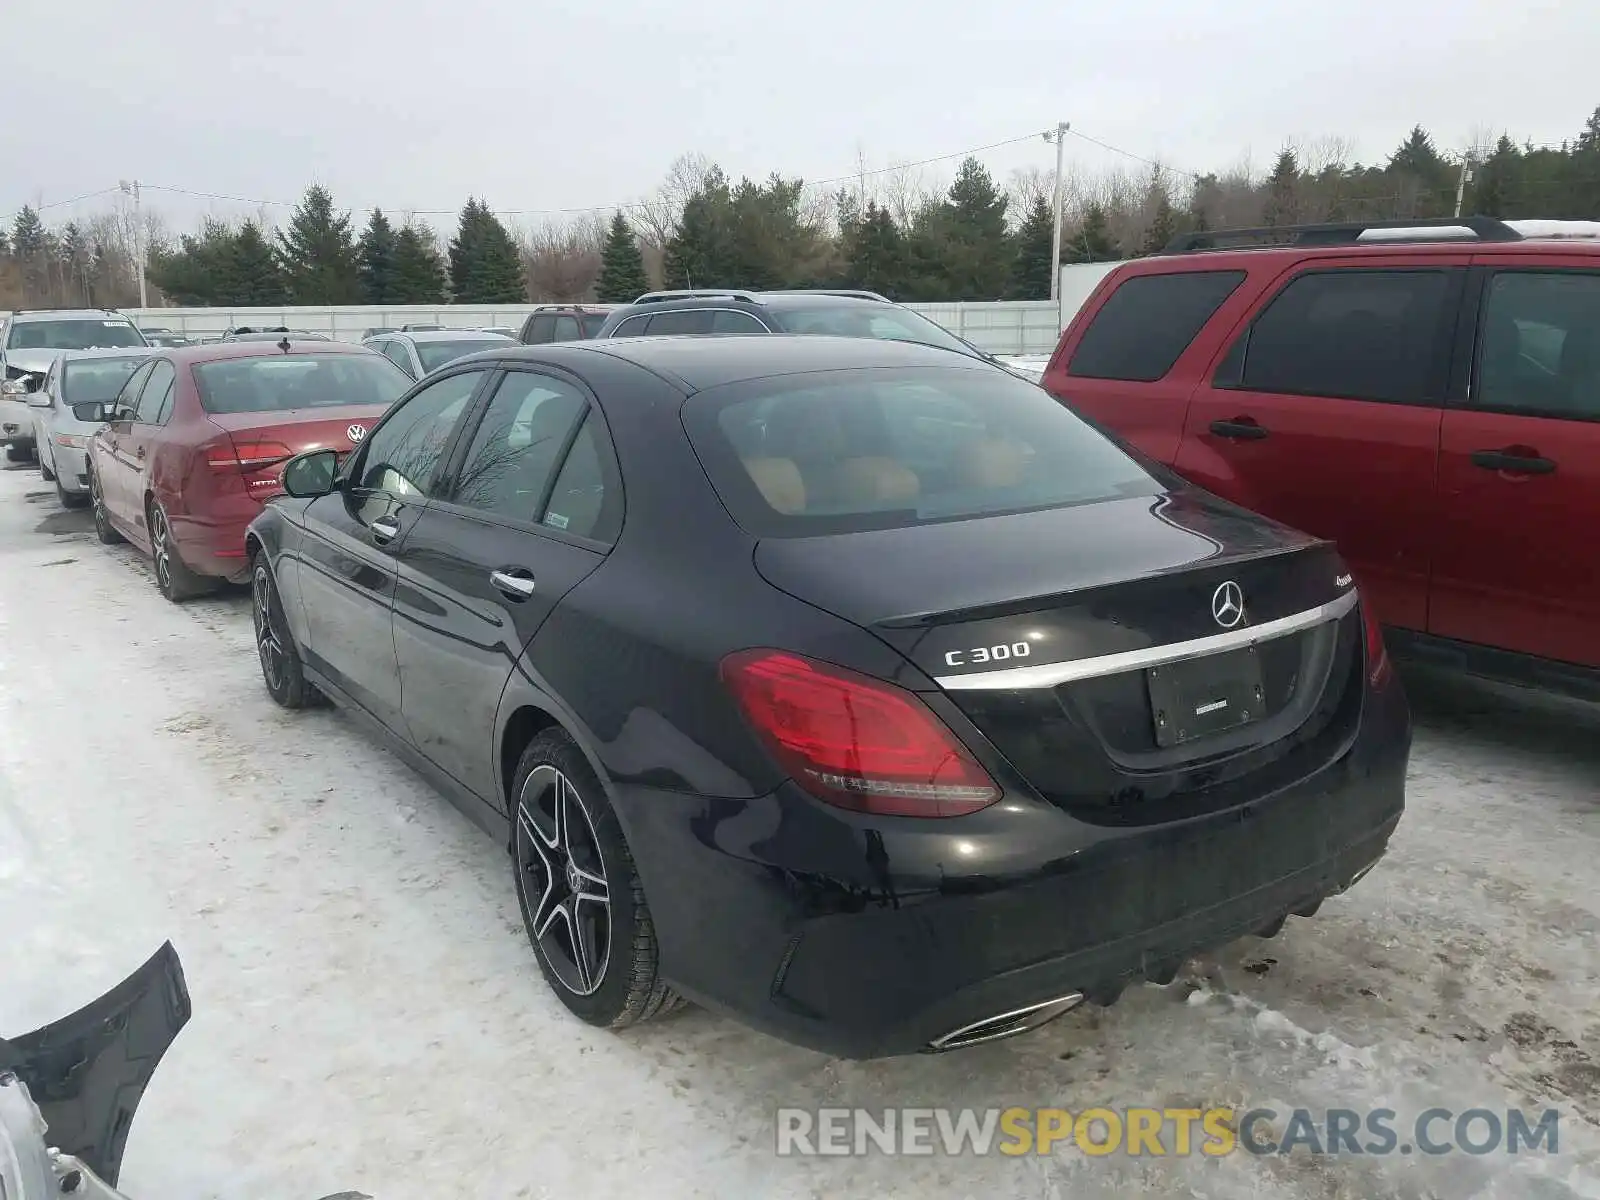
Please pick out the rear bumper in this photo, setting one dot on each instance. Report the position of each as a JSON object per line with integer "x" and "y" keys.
{"x": 867, "y": 937}
{"x": 214, "y": 545}
{"x": 71, "y": 467}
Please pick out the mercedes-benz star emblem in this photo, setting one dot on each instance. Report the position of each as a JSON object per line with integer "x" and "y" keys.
{"x": 356, "y": 432}
{"x": 1227, "y": 605}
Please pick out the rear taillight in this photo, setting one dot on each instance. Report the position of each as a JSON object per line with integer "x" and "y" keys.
{"x": 246, "y": 456}
{"x": 854, "y": 741}
{"x": 1377, "y": 653}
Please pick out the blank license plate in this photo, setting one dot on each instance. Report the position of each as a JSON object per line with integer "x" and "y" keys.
{"x": 1200, "y": 697}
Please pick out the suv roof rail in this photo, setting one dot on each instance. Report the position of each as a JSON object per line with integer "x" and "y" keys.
{"x": 17, "y": 312}
{"x": 567, "y": 306}
{"x": 1341, "y": 233}
{"x": 698, "y": 293}
{"x": 855, "y": 293}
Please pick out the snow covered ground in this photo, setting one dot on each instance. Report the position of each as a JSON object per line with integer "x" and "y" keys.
{"x": 369, "y": 1016}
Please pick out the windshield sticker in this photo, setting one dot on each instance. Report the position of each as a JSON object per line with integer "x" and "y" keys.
{"x": 557, "y": 520}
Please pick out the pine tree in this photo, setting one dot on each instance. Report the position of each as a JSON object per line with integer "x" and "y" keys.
{"x": 875, "y": 253}
{"x": 1163, "y": 225}
{"x": 30, "y": 243}
{"x": 974, "y": 220}
{"x": 418, "y": 269}
{"x": 1031, "y": 268}
{"x": 622, "y": 276}
{"x": 1282, "y": 206}
{"x": 76, "y": 254}
{"x": 375, "y": 259}
{"x": 485, "y": 264}
{"x": 700, "y": 251}
{"x": 1093, "y": 241}
{"x": 254, "y": 277}
{"x": 318, "y": 252}
{"x": 1496, "y": 179}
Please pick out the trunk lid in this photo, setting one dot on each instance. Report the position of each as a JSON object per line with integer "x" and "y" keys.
{"x": 302, "y": 429}
{"x": 1051, "y": 631}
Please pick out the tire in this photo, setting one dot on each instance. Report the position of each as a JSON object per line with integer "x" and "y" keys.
{"x": 555, "y": 860}
{"x": 281, "y": 669}
{"x": 70, "y": 499}
{"x": 15, "y": 453}
{"x": 103, "y": 529}
{"x": 176, "y": 581}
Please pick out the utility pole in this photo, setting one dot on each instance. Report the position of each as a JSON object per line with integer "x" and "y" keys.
{"x": 1461, "y": 184}
{"x": 1058, "y": 135}
{"x": 138, "y": 237}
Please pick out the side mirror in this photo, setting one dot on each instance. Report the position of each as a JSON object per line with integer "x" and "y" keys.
{"x": 100, "y": 413}
{"x": 310, "y": 475}
{"x": 39, "y": 399}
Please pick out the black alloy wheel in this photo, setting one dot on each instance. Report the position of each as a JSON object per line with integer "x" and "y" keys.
{"x": 103, "y": 529}
{"x": 582, "y": 903}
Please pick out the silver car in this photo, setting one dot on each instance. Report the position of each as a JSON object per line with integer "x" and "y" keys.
{"x": 65, "y": 413}
{"x": 420, "y": 353}
{"x": 30, "y": 343}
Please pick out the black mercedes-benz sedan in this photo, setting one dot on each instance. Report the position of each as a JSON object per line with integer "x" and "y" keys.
{"x": 855, "y": 688}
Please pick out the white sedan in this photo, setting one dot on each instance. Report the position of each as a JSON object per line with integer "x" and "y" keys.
{"x": 65, "y": 416}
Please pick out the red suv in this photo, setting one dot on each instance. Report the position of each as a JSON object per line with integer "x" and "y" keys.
{"x": 1426, "y": 394}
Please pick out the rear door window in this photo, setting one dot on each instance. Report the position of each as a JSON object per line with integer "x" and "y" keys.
{"x": 514, "y": 453}
{"x": 1148, "y": 322}
{"x": 156, "y": 399}
{"x": 632, "y": 326}
{"x": 1359, "y": 335}
{"x": 1539, "y": 344}
{"x": 681, "y": 322}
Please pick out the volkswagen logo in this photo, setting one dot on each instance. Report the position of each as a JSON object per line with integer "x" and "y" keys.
{"x": 1227, "y": 605}
{"x": 356, "y": 432}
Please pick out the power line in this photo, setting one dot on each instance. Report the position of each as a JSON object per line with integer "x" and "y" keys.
{"x": 59, "y": 203}
{"x": 1149, "y": 162}
{"x": 600, "y": 208}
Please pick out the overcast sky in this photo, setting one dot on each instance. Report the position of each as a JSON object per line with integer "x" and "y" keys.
{"x": 556, "y": 105}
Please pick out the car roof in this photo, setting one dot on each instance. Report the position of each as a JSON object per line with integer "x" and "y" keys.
{"x": 28, "y": 316}
{"x": 109, "y": 352}
{"x": 453, "y": 335}
{"x": 698, "y": 363}
{"x": 750, "y": 302}
{"x": 211, "y": 352}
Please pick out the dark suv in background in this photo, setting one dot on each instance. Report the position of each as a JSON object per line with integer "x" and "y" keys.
{"x": 563, "y": 323}
{"x": 1425, "y": 394}
{"x": 840, "y": 313}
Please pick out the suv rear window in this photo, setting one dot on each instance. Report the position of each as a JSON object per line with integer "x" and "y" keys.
{"x": 843, "y": 451}
{"x": 283, "y": 382}
{"x": 1148, "y": 322}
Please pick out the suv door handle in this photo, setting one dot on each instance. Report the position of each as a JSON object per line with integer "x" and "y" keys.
{"x": 384, "y": 530}
{"x": 1531, "y": 463}
{"x": 515, "y": 584}
{"x": 1243, "y": 429}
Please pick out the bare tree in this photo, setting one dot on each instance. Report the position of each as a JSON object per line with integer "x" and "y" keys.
{"x": 562, "y": 258}
{"x": 657, "y": 217}
{"x": 904, "y": 191}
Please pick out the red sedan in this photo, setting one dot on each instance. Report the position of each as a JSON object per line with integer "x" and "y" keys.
{"x": 198, "y": 437}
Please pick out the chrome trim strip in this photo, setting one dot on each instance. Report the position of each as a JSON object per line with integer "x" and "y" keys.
{"x": 1051, "y": 674}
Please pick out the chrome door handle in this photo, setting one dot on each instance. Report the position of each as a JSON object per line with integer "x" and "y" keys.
{"x": 384, "y": 529}
{"x": 517, "y": 587}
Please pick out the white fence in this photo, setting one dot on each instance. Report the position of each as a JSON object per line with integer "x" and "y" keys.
{"x": 1001, "y": 327}
{"x": 1025, "y": 327}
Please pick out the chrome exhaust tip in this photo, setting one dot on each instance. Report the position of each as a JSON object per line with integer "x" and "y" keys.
{"x": 1006, "y": 1024}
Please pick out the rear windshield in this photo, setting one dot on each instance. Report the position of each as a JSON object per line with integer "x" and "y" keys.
{"x": 435, "y": 354}
{"x": 592, "y": 322}
{"x": 96, "y": 380}
{"x": 77, "y": 334}
{"x": 866, "y": 319}
{"x": 842, "y": 451}
{"x": 272, "y": 383}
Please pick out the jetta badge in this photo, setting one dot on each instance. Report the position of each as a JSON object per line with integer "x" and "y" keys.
{"x": 1227, "y": 605}
{"x": 356, "y": 432}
